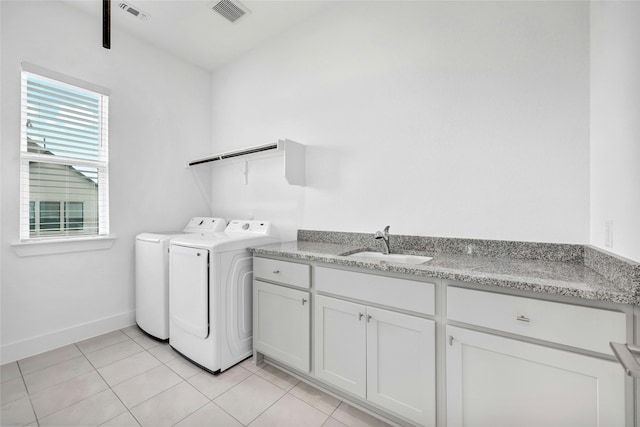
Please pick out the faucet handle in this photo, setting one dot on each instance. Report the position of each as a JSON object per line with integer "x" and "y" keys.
{"x": 386, "y": 229}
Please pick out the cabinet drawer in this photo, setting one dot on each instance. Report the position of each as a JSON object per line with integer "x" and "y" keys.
{"x": 576, "y": 326}
{"x": 289, "y": 273}
{"x": 390, "y": 291}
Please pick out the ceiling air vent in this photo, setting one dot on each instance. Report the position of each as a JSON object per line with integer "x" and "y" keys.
{"x": 232, "y": 10}
{"x": 134, "y": 10}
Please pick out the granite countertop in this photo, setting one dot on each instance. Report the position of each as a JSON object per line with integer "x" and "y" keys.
{"x": 551, "y": 277}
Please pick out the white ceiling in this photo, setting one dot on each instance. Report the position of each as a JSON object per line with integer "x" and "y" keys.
{"x": 189, "y": 29}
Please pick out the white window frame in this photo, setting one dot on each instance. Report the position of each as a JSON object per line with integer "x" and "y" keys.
{"x": 102, "y": 164}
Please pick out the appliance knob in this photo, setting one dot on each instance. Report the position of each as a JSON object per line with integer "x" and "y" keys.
{"x": 245, "y": 226}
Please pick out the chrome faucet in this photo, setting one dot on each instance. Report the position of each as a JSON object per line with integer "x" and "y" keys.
{"x": 384, "y": 235}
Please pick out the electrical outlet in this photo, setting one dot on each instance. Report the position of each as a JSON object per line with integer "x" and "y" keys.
{"x": 608, "y": 233}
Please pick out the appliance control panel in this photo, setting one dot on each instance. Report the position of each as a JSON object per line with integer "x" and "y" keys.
{"x": 249, "y": 227}
{"x": 201, "y": 224}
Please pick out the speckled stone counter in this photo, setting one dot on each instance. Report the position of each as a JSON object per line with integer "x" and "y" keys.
{"x": 565, "y": 275}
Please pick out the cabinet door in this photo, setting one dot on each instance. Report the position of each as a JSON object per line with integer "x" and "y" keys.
{"x": 281, "y": 326}
{"x": 340, "y": 344}
{"x": 401, "y": 365}
{"x": 500, "y": 382}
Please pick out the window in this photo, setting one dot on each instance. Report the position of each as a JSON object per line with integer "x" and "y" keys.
{"x": 73, "y": 215}
{"x": 32, "y": 215}
{"x": 50, "y": 216}
{"x": 64, "y": 156}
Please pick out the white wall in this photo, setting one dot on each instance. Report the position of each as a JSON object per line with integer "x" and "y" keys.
{"x": 462, "y": 119}
{"x": 615, "y": 126}
{"x": 159, "y": 119}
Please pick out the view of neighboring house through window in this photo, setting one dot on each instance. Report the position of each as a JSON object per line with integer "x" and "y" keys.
{"x": 73, "y": 215}
{"x": 64, "y": 156}
{"x": 50, "y": 216}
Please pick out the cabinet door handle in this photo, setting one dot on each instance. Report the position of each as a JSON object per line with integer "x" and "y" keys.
{"x": 276, "y": 271}
{"x": 360, "y": 316}
{"x": 522, "y": 318}
{"x": 368, "y": 318}
{"x": 304, "y": 300}
{"x": 450, "y": 339}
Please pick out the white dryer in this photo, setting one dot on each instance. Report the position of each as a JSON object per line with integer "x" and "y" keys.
{"x": 210, "y": 284}
{"x": 152, "y": 274}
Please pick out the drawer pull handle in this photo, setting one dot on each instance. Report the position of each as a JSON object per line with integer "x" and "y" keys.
{"x": 304, "y": 300}
{"x": 276, "y": 271}
{"x": 360, "y": 316}
{"x": 522, "y": 318}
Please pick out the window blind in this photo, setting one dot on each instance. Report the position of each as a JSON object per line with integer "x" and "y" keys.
{"x": 64, "y": 183}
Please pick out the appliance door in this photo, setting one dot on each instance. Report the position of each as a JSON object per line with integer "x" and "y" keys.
{"x": 189, "y": 289}
{"x": 152, "y": 287}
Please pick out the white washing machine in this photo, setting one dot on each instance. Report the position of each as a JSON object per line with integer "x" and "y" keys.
{"x": 152, "y": 274}
{"x": 210, "y": 284}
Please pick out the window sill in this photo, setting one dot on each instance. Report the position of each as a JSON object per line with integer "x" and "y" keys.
{"x": 62, "y": 245}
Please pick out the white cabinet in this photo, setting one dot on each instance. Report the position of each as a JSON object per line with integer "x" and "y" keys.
{"x": 501, "y": 382}
{"x": 401, "y": 294}
{"x": 587, "y": 328}
{"x": 401, "y": 364}
{"x": 281, "y": 326}
{"x": 385, "y": 357}
{"x": 340, "y": 333}
{"x": 288, "y": 273}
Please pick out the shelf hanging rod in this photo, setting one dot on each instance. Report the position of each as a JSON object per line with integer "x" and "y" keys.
{"x": 237, "y": 153}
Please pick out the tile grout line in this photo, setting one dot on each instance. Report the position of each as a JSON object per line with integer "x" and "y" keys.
{"x": 194, "y": 411}
{"x": 28, "y": 394}
{"x": 186, "y": 380}
{"x": 83, "y": 355}
{"x": 116, "y": 394}
{"x": 333, "y": 412}
{"x": 141, "y": 373}
{"x": 267, "y": 408}
{"x": 106, "y": 346}
{"x": 234, "y": 386}
{"x": 46, "y": 367}
{"x": 228, "y": 390}
{"x": 224, "y": 410}
{"x": 340, "y": 402}
{"x": 109, "y": 387}
{"x": 329, "y": 416}
{"x": 276, "y": 401}
{"x": 310, "y": 405}
{"x": 86, "y": 398}
{"x": 182, "y": 380}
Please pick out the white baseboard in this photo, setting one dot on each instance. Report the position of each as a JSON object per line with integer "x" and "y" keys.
{"x": 39, "y": 344}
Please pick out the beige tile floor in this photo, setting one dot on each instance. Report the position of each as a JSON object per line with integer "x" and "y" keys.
{"x": 124, "y": 378}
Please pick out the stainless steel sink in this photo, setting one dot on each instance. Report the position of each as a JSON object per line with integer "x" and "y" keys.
{"x": 397, "y": 258}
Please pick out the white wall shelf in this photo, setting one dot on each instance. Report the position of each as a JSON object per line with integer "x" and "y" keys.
{"x": 293, "y": 153}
